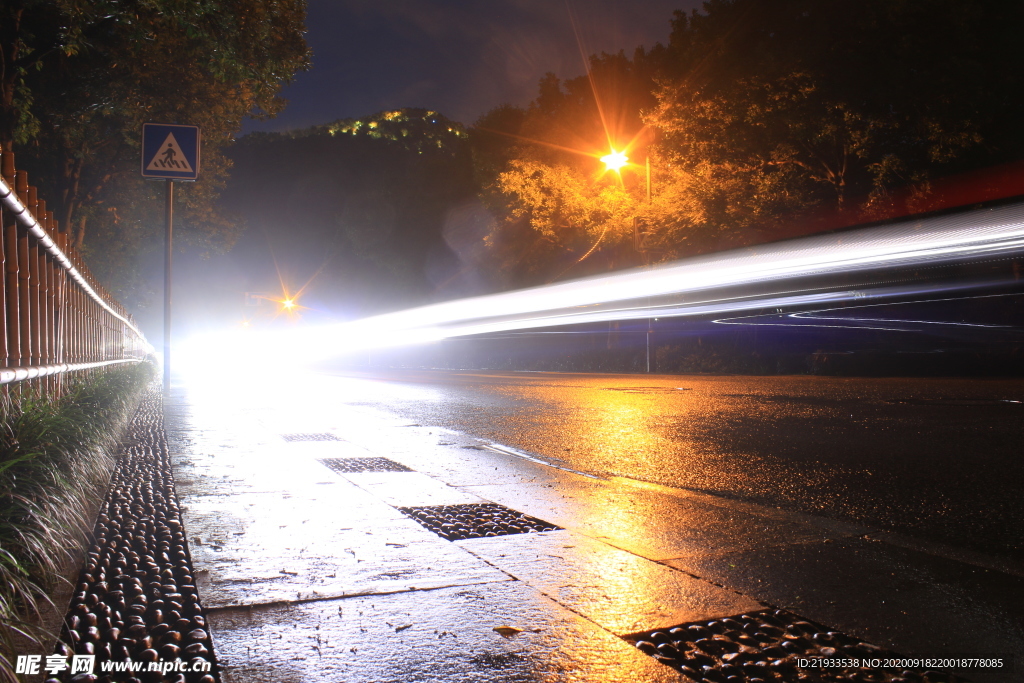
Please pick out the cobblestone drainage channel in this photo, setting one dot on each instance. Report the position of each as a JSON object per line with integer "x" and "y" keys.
{"x": 349, "y": 465}
{"x": 475, "y": 520}
{"x": 136, "y": 600}
{"x": 765, "y": 646}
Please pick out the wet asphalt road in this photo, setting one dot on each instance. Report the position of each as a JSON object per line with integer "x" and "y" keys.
{"x": 937, "y": 459}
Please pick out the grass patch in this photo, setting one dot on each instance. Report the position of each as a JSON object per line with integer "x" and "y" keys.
{"x": 56, "y": 458}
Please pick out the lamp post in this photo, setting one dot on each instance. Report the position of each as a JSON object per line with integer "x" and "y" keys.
{"x": 647, "y": 163}
{"x": 614, "y": 161}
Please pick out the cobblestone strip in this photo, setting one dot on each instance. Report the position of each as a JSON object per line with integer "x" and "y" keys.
{"x": 774, "y": 646}
{"x": 136, "y": 600}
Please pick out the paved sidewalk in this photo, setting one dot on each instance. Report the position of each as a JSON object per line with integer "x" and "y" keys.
{"x": 313, "y": 575}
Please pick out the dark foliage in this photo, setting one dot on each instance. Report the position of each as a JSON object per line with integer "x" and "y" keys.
{"x": 78, "y": 78}
{"x": 365, "y": 214}
{"x": 754, "y": 116}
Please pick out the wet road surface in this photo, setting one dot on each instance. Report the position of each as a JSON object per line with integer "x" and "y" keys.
{"x": 310, "y": 571}
{"x": 938, "y": 459}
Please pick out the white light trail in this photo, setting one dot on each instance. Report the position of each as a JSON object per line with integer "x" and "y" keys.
{"x": 818, "y": 318}
{"x": 780, "y": 273}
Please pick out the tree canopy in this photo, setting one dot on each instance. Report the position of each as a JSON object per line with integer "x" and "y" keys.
{"x": 360, "y": 214}
{"x": 539, "y": 170}
{"x": 78, "y": 78}
{"x": 754, "y": 115}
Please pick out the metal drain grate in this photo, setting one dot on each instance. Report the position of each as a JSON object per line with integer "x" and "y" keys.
{"x": 346, "y": 465}
{"x": 322, "y": 436}
{"x": 767, "y": 646}
{"x": 475, "y": 520}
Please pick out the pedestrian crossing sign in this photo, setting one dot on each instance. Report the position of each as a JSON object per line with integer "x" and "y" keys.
{"x": 170, "y": 151}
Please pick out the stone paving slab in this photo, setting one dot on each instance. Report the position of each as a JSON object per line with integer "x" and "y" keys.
{"x": 438, "y": 636}
{"x": 208, "y": 469}
{"x": 635, "y": 520}
{"x": 613, "y": 588}
{"x": 453, "y": 458}
{"x": 410, "y": 489}
{"x": 260, "y": 548}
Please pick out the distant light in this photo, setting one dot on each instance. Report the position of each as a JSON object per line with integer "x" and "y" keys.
{"x": 615, "y": 160}
{"x": 288, "y": 304}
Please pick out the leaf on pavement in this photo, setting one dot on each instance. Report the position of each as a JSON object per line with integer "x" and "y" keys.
{"x": 507, "y": 631}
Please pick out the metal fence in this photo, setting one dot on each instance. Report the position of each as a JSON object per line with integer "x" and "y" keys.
{"x": 55, "y": 318}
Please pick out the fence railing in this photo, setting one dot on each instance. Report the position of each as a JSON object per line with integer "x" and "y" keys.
{"x": 55, "y": 317}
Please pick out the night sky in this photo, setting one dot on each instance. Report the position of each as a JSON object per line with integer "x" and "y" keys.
{"x": 459, "y": 57}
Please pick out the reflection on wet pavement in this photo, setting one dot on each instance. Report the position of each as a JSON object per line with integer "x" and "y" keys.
{"x": 617, "y": 590}
{"x": 445, "y": 635}
{"x": 314, "y": 574}
{"x": 918, "y": 456}
{"x": 277, "y": 534}
{"x": 619, "y": 516}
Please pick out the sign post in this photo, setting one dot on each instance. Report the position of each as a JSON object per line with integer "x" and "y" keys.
{"x": 169, "y": 152}
{"x": 168, "y": 242}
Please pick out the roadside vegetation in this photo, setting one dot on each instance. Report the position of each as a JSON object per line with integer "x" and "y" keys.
{"x": 56, "y": 457}
{"x": 756, "y": 121}
{"x": 753, "y": 122}
{"x": 78, "y": 78}
{"x": 760, "y": 121}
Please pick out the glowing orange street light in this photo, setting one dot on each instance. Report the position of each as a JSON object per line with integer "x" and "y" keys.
{"x": 615, "y": 160}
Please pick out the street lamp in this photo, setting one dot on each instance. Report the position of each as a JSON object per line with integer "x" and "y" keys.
{"x": 615, "y": 160}
{"x": 289, "y": 305}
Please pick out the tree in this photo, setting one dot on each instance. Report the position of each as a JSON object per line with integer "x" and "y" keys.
{"x": 360, "y": 213}
{"x": 539, "y": 170}
{"x": 79, "y": 79}
{"x": 768, "y": 112}
{"x": 757, "y": 115}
